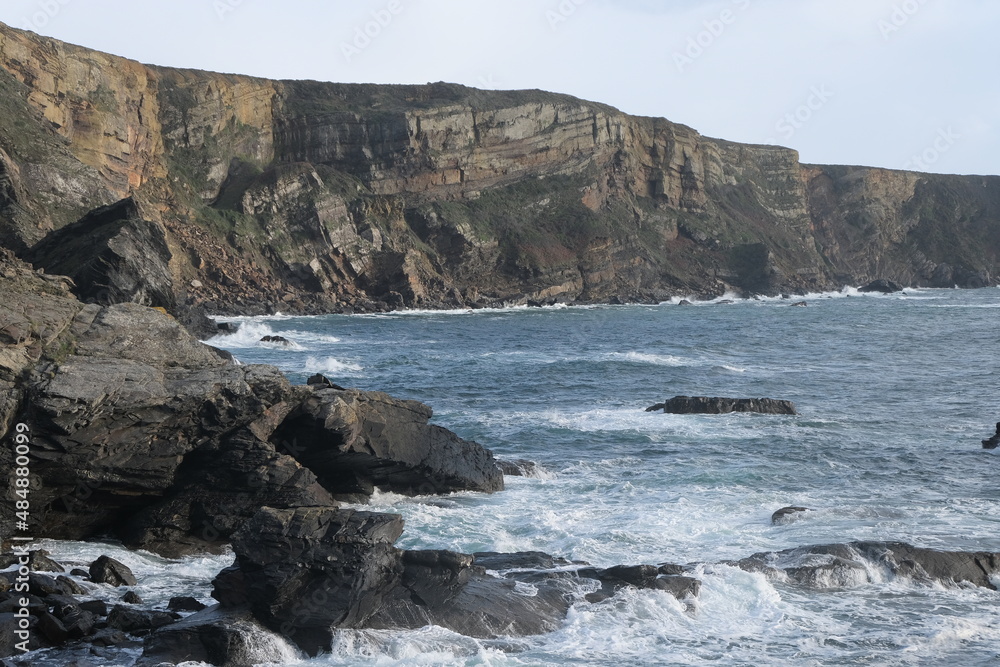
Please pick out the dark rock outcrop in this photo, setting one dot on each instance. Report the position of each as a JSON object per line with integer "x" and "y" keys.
{"x": 882, "y": 286}
{"x": 686, "y": 405}
{"x": 850, "y": 565}
{"x": 994, "y": 441}
{"x": 306, "y": 572}
{"x": 113, "y": 255}
{"x": 185, "y": 603}
{"x": 37, "y": 561}
{"x": 356, "y": 441}
{"x": 309, "y": 570}
{"x": 276, "y": 340}
{"x": 140, "y": 430}
{"x": 787, "y": 514}
{"x": 138, "y": 621}
{"x": 661, "y": 578}
{"x": 217, "y": 637}
{"x": 106, "y": 570}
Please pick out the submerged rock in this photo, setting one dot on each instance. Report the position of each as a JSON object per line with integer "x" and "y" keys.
{"x": 788, "y": 514}
{"x": 520, "y": 468}
{"x": 685, "y": 405}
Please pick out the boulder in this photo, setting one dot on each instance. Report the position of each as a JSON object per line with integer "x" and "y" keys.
{"x": 38, "y": 561}
{"x": 107, "y": 570}
{"x": 185, "y": 604}
{"x": 651, "y": 577}
{"x": 357, "y": 441}
{"x": 881, "y": 285}
{"x": 217, "y": 637}
{"x": 320, "y": 381}
{"x": 138, "y": 621}
{"x": 223, "y": 486}
{"x": 309, "y": 570}
{"x": 113, "y": 255}
{"x": 9, "y": 637}
{"x": 686, "y": 405}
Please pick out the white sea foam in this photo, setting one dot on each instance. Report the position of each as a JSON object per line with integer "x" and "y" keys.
{"x": 248, "y": 335}
{"x": 331, "y": 365}
{"x": 654, "y": 359}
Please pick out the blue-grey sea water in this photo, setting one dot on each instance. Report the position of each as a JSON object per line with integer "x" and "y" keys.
{"x": 894, "y": 394}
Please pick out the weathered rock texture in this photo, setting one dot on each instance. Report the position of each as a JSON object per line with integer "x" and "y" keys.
{"x": 307, "y": 197}
{"x": 138, "y": 429}
{"x": 306, "y": 572}
{"x": 858, "y": 563}
{"x": 687, "y": 405}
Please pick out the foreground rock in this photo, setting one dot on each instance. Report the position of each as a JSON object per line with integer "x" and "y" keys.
{"x": 217, "y": 637}
{"x": 60, "y": 617}
{"x": 850, "y": 565}
{"x": 305, "y": 572}
{"x": 994, "y": 441}
{"x": 140, "y": 430}
{"x": 687, "y": 405}
{"x": 356, "y": 441}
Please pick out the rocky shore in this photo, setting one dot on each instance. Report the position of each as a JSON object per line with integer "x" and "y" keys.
{"x": 130, "y": 207}
{"x": 141, "y": 433}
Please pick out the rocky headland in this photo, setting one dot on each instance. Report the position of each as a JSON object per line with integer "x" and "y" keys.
{"x": 253, "y": 196}
{"x": 134, "y": 199}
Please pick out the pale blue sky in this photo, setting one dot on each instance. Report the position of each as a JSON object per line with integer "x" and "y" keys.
{"x": 890, "y": 83}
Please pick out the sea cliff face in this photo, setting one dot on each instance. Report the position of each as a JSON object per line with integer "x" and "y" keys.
{"x": 310, "y": 197}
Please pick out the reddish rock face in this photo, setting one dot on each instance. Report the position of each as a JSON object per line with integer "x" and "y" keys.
{"x": 311, "y": 197}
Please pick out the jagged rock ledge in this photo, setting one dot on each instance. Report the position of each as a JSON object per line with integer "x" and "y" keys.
{"x": 688, "y": 405}
{"x": 835, "y": 566}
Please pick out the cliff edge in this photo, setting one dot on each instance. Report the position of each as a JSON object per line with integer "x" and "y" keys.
{"x": 310, "y": 197}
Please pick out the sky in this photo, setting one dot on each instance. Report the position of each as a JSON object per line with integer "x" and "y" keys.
{"x": 902, "y": 84}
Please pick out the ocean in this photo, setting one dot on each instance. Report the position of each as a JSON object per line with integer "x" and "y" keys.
{"x": 894, "y": 392}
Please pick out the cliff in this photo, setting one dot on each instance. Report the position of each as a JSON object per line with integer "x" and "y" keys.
{"x": 309, "y": 197}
